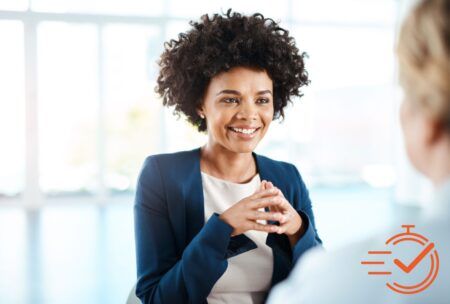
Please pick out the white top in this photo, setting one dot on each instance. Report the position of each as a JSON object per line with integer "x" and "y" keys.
{"x": 248, "y": 276}
{"x": 338, "y": 276}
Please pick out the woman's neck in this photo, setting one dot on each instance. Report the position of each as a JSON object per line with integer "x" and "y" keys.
{"x": 219, "y": 162}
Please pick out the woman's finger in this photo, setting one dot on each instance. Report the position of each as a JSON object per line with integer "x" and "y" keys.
{"x": 265, "y": 202}
{"x": 289, "y": 223}
{"x": 275, "y": 209}
{"x": 282, "y": 229}
{"x": 286, "y": 217}
{"x": 260, "y": 227}
{"x": 264, "y": 193}
{"x": 280, "y": 193}
{"x": 263, "y": 185}
{"x": 269, "y": 185}
{"x": 284, "y": 206}
{"x": 266, "y": 216}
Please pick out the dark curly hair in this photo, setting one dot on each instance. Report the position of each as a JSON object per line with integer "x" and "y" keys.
{"x": 217, "y": 44}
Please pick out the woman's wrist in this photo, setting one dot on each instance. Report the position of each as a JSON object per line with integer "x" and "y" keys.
{"x": 297, "y": 227}
{"x": 297, "y": 233}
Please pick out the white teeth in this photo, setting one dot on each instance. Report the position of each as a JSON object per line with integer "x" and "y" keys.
{"x": 244, "y": 131}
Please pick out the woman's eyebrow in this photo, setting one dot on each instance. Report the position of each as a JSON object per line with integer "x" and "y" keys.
{"x": 238, "y": 93}
{"x": 265, "y": 92}
{"x": 229, "y": 92}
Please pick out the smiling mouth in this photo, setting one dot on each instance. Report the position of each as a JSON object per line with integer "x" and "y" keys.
{"x": 244, "y": 131}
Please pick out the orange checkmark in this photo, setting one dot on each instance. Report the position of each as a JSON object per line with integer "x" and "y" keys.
{"x": 416, "y": 261}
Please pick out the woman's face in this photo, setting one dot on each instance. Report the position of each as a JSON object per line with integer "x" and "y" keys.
{"x": 238, "y": 107}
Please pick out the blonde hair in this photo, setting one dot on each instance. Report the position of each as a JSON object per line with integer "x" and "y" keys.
{"x": 424, "y": 58}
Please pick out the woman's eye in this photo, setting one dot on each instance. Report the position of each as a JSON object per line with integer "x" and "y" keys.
{"x": 263, "y": 100}
{"x": 231, "y": 100}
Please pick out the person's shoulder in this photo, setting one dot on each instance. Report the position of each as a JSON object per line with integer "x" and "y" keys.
{"x": 346, "y": 256}
{"x": 338, "y": 271}
{"x": 171, "y": 158}
{"x": 170, "y": 163}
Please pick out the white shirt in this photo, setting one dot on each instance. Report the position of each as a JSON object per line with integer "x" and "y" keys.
{"x": 248, "y": 275}
{"x": 339, "y": 277}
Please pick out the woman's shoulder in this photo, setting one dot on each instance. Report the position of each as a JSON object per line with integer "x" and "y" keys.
{"x": 174, "y": 156}
{"x": 171, "y": 162}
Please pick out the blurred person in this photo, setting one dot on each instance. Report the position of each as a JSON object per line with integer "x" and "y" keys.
{"x": 340, "y": 276}
{"x": 220, "y": 223}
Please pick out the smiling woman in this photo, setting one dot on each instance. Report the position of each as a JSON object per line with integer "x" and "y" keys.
{"x": 221, "y": 224}
{"x": 238, "y": 108}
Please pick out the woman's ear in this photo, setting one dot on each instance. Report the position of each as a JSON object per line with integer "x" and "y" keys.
{"x": 200, "y": 113}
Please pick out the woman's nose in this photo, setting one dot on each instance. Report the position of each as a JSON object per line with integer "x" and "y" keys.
{"x": 247, "y": 111}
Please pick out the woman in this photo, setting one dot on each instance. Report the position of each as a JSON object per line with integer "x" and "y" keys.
{"x": 221, "y": 224}
{"x": 424, "y": 61}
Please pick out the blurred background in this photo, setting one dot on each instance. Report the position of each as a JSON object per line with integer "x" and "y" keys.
{"x": 78, "y": 115}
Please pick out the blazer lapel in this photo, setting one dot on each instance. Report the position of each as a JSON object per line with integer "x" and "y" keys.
{"x": 193, "y": 194}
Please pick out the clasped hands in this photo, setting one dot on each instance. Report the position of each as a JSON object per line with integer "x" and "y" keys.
{"x": 245, "y": 214}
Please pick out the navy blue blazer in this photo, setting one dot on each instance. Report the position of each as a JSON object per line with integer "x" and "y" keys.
{"x": 179, "y": 256}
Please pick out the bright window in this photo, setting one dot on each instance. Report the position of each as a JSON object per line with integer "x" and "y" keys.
{"x": 12, "y": 109}
{"x": 131, "y": 108}
{"x": 115, "y": 7}
{"x": 68, "y": 103}
{"x": 14, "y": 5}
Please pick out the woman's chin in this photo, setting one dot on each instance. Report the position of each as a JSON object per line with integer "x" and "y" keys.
{"x": 243, "y": 147}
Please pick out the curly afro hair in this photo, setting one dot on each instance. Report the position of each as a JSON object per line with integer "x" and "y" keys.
{"x": 217, "y": 44}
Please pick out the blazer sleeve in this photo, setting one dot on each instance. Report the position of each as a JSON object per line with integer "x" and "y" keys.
{"x": 163, "y": 275}
{"x": 302, "y": 203}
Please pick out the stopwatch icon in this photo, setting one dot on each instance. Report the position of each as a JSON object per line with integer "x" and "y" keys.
{"x": 427, "y": 251}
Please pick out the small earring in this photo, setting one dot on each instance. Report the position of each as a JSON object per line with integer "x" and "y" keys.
{"x": 202, "y": 116}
